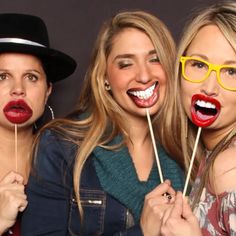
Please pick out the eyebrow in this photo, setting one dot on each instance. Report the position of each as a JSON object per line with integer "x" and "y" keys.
{"x": 27, "y": 70}
{"x": 129, "y": 55}
{"x": 152, "y": 52}
{"x": 33, "y": 70}
{"x": 199, "y": 55}
{"x": 126, "y": 55}
{"x": 207, "y": 59}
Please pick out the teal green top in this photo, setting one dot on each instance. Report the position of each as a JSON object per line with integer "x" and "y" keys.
{"x": 118, "y": 176}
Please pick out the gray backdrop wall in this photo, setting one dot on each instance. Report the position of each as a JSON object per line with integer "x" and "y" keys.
{"x": 74, "y": 24}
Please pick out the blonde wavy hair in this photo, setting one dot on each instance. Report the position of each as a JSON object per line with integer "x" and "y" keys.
{"x": 102, "y": 116}
{"x": 223, "y": 15}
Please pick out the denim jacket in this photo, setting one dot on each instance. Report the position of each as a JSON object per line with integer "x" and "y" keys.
{"x": 52, "y": 208}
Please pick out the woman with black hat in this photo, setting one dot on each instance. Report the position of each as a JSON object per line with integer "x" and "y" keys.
{"x": 28, "y": 67}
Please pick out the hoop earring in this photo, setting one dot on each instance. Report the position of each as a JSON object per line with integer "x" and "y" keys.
{"x": 51, "y": 111}
{"x": 107, "y": 85}
{"x": 35, "y": 126}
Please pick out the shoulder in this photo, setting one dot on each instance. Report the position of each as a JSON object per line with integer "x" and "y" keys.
{"x": 224, "y": 171}
{"x": 53, "y": 145}
{"x": 53, "y": 158}
{"x": 52, "y": 137}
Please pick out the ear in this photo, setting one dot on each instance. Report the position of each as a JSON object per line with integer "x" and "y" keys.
{"x": 49, "y": 90}
{"x": 107, "y": 85}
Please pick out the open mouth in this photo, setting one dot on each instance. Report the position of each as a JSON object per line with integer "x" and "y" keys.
{"x": 17, "y": 112}
{"x": 204, "y": 110}
{"x": 145, "y": 98}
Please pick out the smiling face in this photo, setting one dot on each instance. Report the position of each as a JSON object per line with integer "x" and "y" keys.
{"x": 24, "y": 89}
{"x": 207, "y": 103}
{"x": 136, "y": 77}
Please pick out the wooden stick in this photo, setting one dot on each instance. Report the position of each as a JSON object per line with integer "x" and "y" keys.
{"x": 192, "y": 160}
{"x": 16, "y": 151}
{"x": 154, "y": 145}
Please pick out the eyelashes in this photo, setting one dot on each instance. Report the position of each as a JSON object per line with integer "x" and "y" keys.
{"x": 125, "y": 63}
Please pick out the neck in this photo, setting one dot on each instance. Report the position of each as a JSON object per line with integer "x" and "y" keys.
{"x": 139, "y": 133}
{"x": 140, "y": 147}
{"x": 15, "y": 151}
{"x": 137, "y": 128}
{"x": 212, "y": 137}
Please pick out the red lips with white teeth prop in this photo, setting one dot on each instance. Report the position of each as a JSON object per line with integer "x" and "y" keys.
{"x": 204, "y": 110}
{"x": 145, "y": 98}
{"x": 17, "y": 111}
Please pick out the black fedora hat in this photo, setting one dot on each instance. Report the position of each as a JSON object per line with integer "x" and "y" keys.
{"x": 28, "y": 34}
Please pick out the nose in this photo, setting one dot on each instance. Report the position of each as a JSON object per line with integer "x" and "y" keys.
{"x": 144, "y": 74}
{"x": 210, "y": 86}
{"x": 18, "y": 88}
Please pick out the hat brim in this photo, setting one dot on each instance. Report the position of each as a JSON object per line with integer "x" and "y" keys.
{"x": 58, "y": 65}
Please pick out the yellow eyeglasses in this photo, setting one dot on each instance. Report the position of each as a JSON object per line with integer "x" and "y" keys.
{"x": 197, "y": 70}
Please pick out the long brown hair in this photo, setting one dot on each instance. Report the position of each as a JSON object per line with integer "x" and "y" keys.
{"x": 102, "y": 116}
{"x": 223, "y": 15}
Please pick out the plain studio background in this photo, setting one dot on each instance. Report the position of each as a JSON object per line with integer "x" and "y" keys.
{"x": 74, "y": 24}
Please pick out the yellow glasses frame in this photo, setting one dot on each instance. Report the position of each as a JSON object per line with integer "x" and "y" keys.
{"x": 211, "y": 67}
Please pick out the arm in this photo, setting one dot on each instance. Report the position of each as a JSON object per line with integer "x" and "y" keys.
{"x": 225, "y": 185}
{"x": 224, "y": 171}
{"x": 48, "y": 194}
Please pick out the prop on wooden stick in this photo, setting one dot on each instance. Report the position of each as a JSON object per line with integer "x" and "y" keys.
{"x": 154, "y": 146}
{"x": 16, "y": 149}
{"x": 192, "y": 160}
